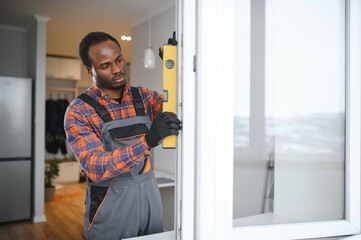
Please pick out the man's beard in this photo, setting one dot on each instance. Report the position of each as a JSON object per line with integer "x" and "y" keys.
{"x": 105, "y": 85}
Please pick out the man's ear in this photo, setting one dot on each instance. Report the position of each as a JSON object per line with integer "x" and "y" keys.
{"x": 89, "y": 71}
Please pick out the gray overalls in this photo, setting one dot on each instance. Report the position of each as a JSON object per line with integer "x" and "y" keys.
{"x": 129, "y": 204}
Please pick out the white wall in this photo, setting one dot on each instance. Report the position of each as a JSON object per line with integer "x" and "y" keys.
{"x": 13, "y": 47}
{"x": 162, "y": 28}
{"x": 23, "y": 55}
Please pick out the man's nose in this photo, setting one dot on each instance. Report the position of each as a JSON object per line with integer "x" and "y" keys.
{"x": 116, "y": 69}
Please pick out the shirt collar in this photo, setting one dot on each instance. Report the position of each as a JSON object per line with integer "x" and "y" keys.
{"x": 100, "y": 93}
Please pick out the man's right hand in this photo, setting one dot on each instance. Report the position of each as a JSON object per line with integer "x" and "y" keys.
{"x": 165, "y": 125}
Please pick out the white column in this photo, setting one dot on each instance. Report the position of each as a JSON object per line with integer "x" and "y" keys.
{"x": 36, "y": 70}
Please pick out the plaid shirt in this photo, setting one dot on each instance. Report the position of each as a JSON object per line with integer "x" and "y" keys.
{"x": 83, "y": 129}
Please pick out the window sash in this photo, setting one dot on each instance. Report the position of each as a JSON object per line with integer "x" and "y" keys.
{"x": 214, "y": 133}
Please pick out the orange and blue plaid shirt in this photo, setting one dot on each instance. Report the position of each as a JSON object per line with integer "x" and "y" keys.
{"x": 83, "y": 127}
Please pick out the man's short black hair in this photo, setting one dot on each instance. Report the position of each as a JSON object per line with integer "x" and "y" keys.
{"x": 91, "y": 39}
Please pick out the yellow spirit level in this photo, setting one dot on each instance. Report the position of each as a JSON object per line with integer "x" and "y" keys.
{"x": 169, "y": 54}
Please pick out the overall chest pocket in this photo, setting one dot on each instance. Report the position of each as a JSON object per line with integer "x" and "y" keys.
{"x": 123, "y": 136}
{"x": 126, "y": 134}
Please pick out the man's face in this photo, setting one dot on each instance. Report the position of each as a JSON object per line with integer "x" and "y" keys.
{"x": 108, "y": 65}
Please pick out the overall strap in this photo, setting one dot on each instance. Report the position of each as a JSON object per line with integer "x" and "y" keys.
{"x": 100, "y": 109}
{"x": 137, "y": 102}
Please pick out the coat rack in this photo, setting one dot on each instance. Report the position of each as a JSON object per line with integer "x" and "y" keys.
{"x": 60, "y": 90}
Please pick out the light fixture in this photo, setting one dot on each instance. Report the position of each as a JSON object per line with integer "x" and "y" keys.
{"x": 149, "y": 57}
{"x": 126, "y": 38}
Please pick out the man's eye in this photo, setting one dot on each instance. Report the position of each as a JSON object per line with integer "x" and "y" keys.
{"x": 119, "y": 60}
{"x": 105, "y": 66}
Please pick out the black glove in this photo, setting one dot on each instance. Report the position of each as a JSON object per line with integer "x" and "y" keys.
{"x": 163, "y": 126}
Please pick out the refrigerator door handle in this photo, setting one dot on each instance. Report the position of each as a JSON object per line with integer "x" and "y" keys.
{"x": 14, "y": 159}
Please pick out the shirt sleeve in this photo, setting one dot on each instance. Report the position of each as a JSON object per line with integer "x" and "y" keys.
{"x": 99, "y": 164}
{"x": 154, "y": 102}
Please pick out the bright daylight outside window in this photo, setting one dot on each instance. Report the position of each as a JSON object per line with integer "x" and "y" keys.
{"x": 295, "y": 170}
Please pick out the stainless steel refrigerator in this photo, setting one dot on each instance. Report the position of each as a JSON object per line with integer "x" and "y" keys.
{"x": 15, "y": 148}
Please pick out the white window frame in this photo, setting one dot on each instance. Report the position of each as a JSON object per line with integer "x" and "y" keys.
{"x": 214, "y": 133}
{"x": 205, "y": 173}
{"x": 185, "y": 198}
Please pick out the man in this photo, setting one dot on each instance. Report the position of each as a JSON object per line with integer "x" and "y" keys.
{"x": 111, "y": 129}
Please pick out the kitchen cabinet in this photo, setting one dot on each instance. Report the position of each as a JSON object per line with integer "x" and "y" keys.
{"x": 63, "y": 68}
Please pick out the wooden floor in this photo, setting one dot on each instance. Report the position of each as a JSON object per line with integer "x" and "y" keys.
{"x": 64, "y": 217}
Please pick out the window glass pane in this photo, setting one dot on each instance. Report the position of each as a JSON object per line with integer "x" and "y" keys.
{"x": 297, "y": 109}
{"x": 242, "y": 88}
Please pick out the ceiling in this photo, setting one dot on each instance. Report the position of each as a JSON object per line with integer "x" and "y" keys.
{"x": 70, "y": 20}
